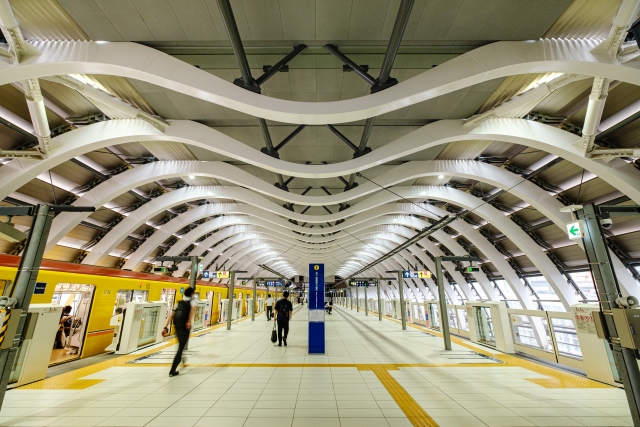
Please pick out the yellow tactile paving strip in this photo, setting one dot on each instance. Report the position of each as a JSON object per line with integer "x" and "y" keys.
{"x": 412, "y": 410}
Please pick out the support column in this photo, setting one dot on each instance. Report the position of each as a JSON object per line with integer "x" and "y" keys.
{"x": 366, "y": 304}
{"x": 444, "y": 318}
{"x": 255, "y": 301}
{"x": 608, "y": 291}
{"x": 194, "y": 272}
{"x": 357, "y": 300}
{"x": 379, "y": 301}
{"x": 22, "y": 290}
{"x": 232, "y": 279}
{"x": 403, "y": 308}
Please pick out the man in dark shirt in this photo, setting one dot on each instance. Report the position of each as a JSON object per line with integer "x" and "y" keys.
{"x": 284, "y": 311}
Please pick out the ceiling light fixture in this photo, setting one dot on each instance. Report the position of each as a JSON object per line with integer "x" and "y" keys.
{"x": 440, "y": 176}
{"x": 192, "y": 177}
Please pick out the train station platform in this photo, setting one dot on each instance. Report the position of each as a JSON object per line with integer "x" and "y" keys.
{"x": 373, "y": 374}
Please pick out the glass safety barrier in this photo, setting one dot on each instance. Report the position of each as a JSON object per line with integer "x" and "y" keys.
{"x": 149, "y": 325}
{"x": 549, "y": 335}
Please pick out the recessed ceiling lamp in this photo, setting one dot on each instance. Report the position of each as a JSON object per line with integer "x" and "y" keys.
{"x": 440, "y": 176}
{"x": 192, "y": 177}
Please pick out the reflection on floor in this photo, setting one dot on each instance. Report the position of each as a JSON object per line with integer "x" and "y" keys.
{"x": 60, "y": 356}
{"x": 374, "y": 374}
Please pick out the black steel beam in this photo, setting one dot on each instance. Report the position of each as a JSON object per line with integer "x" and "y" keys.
{"x": 543, "y": 168}
{"x": 384, "y": 80}
{"x": 342, "y": 137}
{"x": 284, "y": 61}
{"x": 246, "y": 81}
{"x": 24, "y": 133}
{"x": 355, "y": 67}
{"x": 366, "y": 133}
{"x": 268, "y": 149}
{"x": 90, "y": 169}
{"x": 290, "y": 137}
{"x": 602, "y": 135}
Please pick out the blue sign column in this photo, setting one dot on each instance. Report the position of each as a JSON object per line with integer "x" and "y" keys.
{"x": 316, "y": 308}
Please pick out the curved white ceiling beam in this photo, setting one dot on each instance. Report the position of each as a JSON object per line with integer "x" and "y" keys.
{"x": 18, "y": 172}
{"x": 496, "y": 60}
{"x": 200, "y": 212}
{"x": 135, "y": 177}
{"x": 488, "y": 212}
{"x": 400, "y": 261}
{"x": 128, "y": 225}
{"x": 212, "y": 225}
{"x": 527, "y": 191}
{"x": 411, "y": 253}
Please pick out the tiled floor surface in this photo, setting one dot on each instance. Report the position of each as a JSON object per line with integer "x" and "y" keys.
{"x": 142, "y": 394}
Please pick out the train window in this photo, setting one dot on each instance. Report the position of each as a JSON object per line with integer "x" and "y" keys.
{"x": 169, "y": 296}
{"x": 123, "y": 296}
{"x": 4, "y": 286}
{"x": 71, "y": 336}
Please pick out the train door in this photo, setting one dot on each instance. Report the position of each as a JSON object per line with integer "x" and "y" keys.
{"x": 207, "y": 314}
{"x": 484, "y": 325}
{"x": 169, "y": 297}
{"x": 127, "y": 295}
{"x": 70, "y": 339}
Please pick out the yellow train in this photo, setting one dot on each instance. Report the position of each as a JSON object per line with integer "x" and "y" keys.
{"x": 94, "y": 293}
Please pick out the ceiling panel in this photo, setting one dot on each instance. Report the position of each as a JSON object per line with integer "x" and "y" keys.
{"x": 308, "y": 20}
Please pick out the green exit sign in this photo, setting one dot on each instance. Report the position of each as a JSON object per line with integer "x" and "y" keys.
{"x": 472, "y": 269}
{"x": 575, "y": 230}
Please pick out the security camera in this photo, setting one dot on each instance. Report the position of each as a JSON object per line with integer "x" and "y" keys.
{"x": 606, "y": 223}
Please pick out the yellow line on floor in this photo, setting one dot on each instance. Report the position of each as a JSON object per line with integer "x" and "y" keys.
{"x": 412, "y": 410}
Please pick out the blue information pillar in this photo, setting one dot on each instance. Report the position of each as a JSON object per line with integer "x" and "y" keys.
{"x": 316, "y": 308}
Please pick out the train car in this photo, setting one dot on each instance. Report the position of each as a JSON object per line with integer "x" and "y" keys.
{"x": 94, "y": 294}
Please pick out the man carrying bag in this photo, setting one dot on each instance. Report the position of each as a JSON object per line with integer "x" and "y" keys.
{"x": 182, "y": 317}
{"x": 284, "y": 311}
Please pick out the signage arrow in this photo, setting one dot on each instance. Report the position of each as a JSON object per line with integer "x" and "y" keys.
{"x": 574, "y": 230}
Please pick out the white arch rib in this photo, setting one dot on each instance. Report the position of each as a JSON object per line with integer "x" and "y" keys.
{"x": 19, "y": 172}
{"x": 496, "y": 60}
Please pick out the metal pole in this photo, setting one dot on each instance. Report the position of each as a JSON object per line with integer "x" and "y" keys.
{"x": 379, "y": 302}
{"x": 394, "y": 44}
{"x": 23, "y": 287}
{"x": 608, "y": 291}
{"x": 444, "y": 321}
{"x": 232, "y": 279}
{"x": 255, "y": 301}
{"x": 247, "y": 80}
{"x": 357, "y": 300}
{"x": 194, "y": 271}
{"x": 366, "y": 305}
{"x": 403, "y": 308}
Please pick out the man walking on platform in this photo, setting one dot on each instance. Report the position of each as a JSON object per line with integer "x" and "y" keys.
{"x": 284, "y": 311}
{"x": 182, "y": 317}
{"x": 269, "y": 307}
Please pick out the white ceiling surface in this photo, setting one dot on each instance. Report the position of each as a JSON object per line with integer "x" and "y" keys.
{"x": 273, "y": 20}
